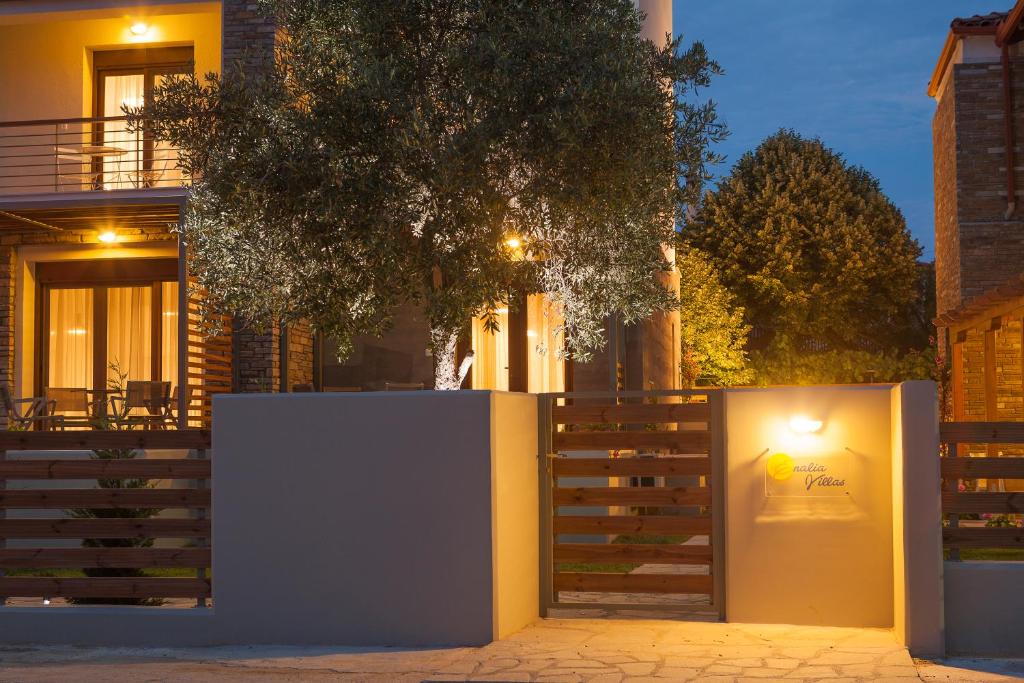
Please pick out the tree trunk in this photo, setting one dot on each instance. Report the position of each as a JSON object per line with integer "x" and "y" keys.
{"x": 443, "y": 344}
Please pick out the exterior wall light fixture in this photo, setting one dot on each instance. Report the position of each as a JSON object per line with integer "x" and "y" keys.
{"x": 801, "y": 424}
{"x": 139, "y": 28}
{"x": 107, "y": 237}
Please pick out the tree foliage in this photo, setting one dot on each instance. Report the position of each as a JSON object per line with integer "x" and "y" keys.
{"x": 845, "y": 367}
{"x": 712, "y": 331}
{"x": 394, "y": 146}
{"x": 816, "y": 254}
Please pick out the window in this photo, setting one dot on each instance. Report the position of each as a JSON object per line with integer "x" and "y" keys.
{"x": 490, "y": 350}
{"x": 127, "y": 78}
{"x": 98, "y": 313}
{"x": 544, "y": 346}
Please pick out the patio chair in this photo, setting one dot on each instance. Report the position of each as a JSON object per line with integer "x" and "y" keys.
{"x": 172, "y": 409}
{"x": 154, "y": 397}
{"x": 33, "y": 414}
{"x": 71, "y": 404}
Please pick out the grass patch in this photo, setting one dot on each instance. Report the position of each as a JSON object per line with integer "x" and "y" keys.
{"x": 161, "y": 573}
{"x": 997, "y": 554}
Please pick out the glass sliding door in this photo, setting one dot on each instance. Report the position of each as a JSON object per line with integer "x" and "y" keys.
{"x": 129, "y": 333}
{"x": 124, "y": 314}
{"x": 544, "y": 346}
{"x": 70, "y": 338}
{"x": 169, "y": 332}
{"x": 122, "y": 150}
{"x": 127, "y": 79}
{"x": 490, "y": 349}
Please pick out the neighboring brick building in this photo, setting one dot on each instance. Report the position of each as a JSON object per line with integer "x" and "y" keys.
{"x": 978, "y": 137}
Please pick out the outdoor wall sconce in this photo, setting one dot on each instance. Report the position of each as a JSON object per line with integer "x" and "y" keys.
{"x": 800, "y": 424}
{"x": 139, "y": 28}
{"x": 107, "y": 237}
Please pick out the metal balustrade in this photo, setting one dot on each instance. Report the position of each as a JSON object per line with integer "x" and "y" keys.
{"x": 83, "y": 155}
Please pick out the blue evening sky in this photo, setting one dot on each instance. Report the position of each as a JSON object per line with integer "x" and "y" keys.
{"x": 853, "y": 72}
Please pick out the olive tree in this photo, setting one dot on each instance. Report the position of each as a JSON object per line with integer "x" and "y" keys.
{"x": 398, "y": 150}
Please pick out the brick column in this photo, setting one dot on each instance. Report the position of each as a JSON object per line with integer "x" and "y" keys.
{"x": 248, "y": 38}
{"x": 7, "y": 288}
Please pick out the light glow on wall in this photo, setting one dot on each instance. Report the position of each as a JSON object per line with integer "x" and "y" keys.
{"x": 139, "y": 28}
{"x": 107, "y": 237}
{"x": 801, "y": 424}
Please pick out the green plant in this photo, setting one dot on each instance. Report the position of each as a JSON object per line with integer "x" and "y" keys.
{"x": 821, "y": 261}
{"x": 393, "y": 152}
{"x": 116, "y": 383}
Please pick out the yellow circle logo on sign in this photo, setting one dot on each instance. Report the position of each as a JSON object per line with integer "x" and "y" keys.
{"x": 780, "y": 467}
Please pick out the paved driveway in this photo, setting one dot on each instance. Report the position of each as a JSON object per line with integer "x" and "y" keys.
{"x": 595, "y": 651}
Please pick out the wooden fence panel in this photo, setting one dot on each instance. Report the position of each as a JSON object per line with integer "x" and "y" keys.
{"x": 686, "y": 441}
{"x": 964, "y": 510}
{"x": 632, "y": 467}
{"x": 633, "y": 583}
{"x": 116, "y": 558}
{"x": 659, "y": 487}
{"x": 27, "y": 587}
{"x": 194, "y": 496}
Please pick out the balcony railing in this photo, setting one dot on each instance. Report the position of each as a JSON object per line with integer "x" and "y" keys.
{"x": 83, "y": 155}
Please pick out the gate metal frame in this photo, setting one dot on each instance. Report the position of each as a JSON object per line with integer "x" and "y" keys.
{"x": 716, "y": 425}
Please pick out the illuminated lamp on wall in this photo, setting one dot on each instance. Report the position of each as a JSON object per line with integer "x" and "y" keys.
{"x": 139, "y": 28}
{"x": 107, "y": 237}
{"x": 801, "y": 424}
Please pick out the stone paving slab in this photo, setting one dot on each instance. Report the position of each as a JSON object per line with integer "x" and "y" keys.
{"x": 555, "y": 650}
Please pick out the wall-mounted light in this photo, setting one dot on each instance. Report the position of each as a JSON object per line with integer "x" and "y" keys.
{"x": 801, "y": 424}
{"x": 139, "y": 28}
{"x": 107, "y": 237}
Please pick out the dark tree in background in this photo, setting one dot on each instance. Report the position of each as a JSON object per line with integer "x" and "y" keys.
{"x": 821, "y": 261}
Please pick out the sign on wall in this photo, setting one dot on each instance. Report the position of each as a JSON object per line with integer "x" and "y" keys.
{"x": 818, "y": 476}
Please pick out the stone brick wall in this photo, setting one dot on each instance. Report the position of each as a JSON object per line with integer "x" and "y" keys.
{"x": 300, "y": 355}
{"x": 977, "y": 246}
{"x": 257, "y": 360}
{"x": 248, "y": 38}
{"x": 947, "y": 241}
{"x": 7, "y": 266}
{"x": 973, "y": 349}
{"x": 1009, "y": 380}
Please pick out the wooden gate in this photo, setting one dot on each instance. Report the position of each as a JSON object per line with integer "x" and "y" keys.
{"x": 632, "y": 501}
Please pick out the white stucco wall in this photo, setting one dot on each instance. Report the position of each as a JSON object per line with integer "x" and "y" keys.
{"x": 351, "y": 519}
{"x": 810, "y": 560}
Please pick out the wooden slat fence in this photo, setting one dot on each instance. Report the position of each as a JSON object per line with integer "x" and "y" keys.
{"x": 642, "y": 492}
{"x": 972, "y": 489}
{"x": 209, "y": 358}
{"x": 57, "y": 526}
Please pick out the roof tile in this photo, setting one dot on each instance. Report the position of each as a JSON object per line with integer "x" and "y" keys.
{"x": 979, "y": 20}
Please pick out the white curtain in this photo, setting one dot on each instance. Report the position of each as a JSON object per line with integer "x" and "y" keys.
{"x": 120, "y": 170}
{"x": 70, "y": 343}
{"x": 544, "y": 347}
{"x": 130, "y": 331}
{"x": 169, "y": 333}
{"x": 490, "y": 363}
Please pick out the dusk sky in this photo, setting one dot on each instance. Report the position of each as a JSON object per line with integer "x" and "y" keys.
{"x": 853, "y": 72}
